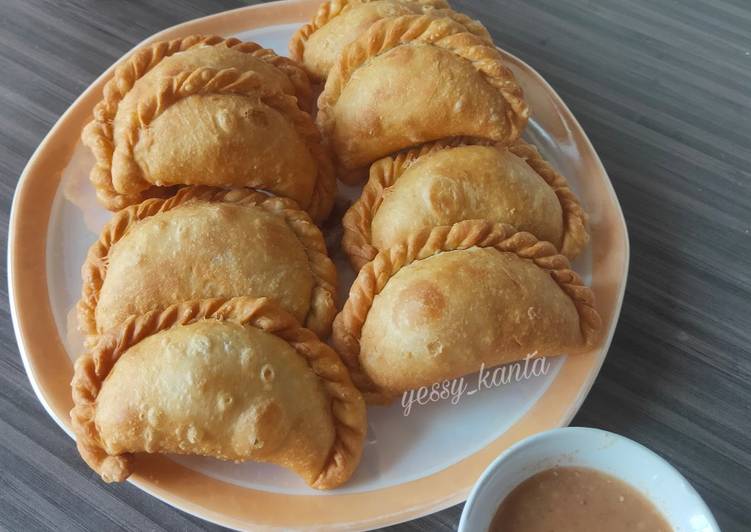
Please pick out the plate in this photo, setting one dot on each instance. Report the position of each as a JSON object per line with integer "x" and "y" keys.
{"x": 417, "y": 460}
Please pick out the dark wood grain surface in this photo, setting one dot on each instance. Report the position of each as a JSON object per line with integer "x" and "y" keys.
{"x": 663, "y": 89}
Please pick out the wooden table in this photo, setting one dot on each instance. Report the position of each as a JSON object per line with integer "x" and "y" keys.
{"x": 663, "y": 89}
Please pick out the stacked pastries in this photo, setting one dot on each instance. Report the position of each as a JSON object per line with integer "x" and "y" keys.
{"x": 208, "y": 242}
{"x": 244, "y": 108}
{"x": 447, "y": 181}
{"x": 452, "y": 298}
{"x": 413, "y": 79}
{"x": 208, "y": 292}
{"x": 204, "y": 298}
{"x": 463, "y": 232}
{"x": 339, "y": 22}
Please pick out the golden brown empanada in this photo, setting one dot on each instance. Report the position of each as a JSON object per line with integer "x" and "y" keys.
{"x": 337, "y": 23}
{"x": 452, "y": 298}
{"x": 206, "y": 242}
{"x": 208, "y": 111}
{"x": 235, "y": 379}
{"x": 412, "y": 79}
{"x": 445, "y": 182}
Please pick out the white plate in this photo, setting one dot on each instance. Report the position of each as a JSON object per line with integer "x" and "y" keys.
{"x": 440, "y": 448}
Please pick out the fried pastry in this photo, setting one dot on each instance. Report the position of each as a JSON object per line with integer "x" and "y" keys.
{"x": 454, "y": 297}
{"x": 337, "y": 23}
{"x": 206, "y": 242}
{"x": 208, "y": 111}
{"x": 234, "y": 379}
{"x": 413, "y": 79}
{"x": 445, "y": 182}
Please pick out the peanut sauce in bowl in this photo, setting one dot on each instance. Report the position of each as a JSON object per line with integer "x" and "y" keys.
{"x": 576, "y": 499}
{"x": 584, "y": 480}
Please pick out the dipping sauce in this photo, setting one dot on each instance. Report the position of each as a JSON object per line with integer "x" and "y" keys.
{"x": 576, "y": 499}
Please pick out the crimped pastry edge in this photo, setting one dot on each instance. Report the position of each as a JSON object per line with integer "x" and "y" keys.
{"x": 330, "y": 9}
{"x": 98, "y": 134}
{"x": 100, "y": 129}
{"x": 575, "y": 220}
{"x": 374, "y": 276}
{"x": 204, "y": 80}
{"x": 94, "y": 270}
{"x": 347, "y": 406}
{"x": 358, "y": 220}
{"x": 444, "y": 32}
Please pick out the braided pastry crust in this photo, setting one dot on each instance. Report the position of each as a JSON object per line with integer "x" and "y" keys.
{"x": 399, "y": 91}
{"x": 357, "y": 240}
{"x": 575, "y": 234}
{"x": 93, "y": 367}
{"x": 135, "y": 156}
{"x": 339, "y": 22}
{"x": 322, "y": 306}
{"x": 374, "y": 277}
{"x": 145, "y": 59}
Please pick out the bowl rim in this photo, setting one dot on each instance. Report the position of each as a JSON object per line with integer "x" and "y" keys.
{"x": 587, "y": 432}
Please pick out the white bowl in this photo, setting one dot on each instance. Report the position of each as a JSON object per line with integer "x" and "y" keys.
{"x": 625, "y": 459}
